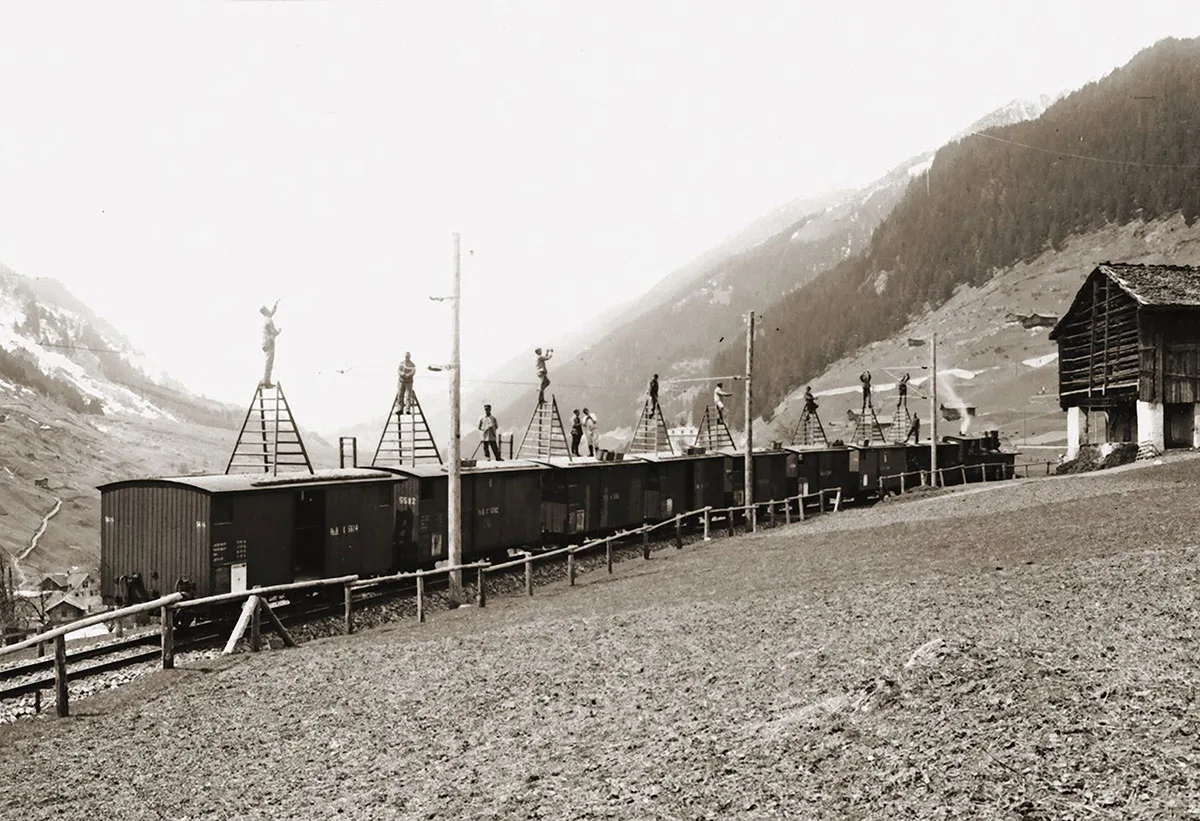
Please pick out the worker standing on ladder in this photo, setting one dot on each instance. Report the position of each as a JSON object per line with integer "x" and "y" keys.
{"x": 268, "y": 341}
{"x": 865, "y": 378}
{"x": 653, "y": 393}
{"x": 542, "y": 373}
{"x": 902, "y": 402}
{"x": 719, "y": 393}
{"x": 810, "y": 402}
{"x": 404, "y": 390}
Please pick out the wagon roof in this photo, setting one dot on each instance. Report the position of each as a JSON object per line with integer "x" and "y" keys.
{"x": 426, "y": 471}
{"x": 228, "y": 483}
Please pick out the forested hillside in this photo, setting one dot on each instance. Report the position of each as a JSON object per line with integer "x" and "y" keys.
{"x": 1126, "y": 147}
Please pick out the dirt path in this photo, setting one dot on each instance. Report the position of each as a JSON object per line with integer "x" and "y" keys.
{"x": 33, "y": 543}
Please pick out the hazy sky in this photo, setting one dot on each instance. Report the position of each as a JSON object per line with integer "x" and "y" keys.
{"x": 178, "y": 164}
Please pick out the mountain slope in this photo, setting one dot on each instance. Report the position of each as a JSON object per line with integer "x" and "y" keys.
{"x": 1123, "y": 148}
{"x": 673, "y": 329}
{"x": 986, "y": 358}
{"x": 78, "y": 408}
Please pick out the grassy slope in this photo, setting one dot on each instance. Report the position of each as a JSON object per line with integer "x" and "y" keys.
{"x": 1025, "y": 650}
{"x": 974, "y": 335}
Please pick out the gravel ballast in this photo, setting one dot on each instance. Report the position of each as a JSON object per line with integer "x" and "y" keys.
{"x": 1028, "y": 650}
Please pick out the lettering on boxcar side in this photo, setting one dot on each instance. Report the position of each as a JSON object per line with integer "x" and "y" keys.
{"x": 488, "y": 511}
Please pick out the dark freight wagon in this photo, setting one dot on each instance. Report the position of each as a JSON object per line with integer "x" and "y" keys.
{"x": 214, "y": 534}
{"x": 500, "y": 510}
{"x": 828, "y": 469}
{"x": 669, "y": 485}
{"x": 886, "y": 462}
{"x": 590, "y": 498}
{"x": 949, "y": 456}
{"x": 713, "y": 476}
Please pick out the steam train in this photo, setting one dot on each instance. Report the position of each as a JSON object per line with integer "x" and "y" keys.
{"x": 205, "y": 535}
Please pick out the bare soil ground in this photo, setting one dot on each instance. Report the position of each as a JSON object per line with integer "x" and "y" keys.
{"x": 1021, "y": 650}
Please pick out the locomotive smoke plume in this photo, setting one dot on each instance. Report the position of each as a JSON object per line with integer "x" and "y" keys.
{"x": 955, "y": 402}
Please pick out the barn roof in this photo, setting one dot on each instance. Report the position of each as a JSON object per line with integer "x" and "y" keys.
{"x": 1157, "y": 286}
{"x": 227, "y": 483}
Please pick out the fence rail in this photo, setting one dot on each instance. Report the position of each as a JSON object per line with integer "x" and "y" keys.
{"x": 980, "y": 470}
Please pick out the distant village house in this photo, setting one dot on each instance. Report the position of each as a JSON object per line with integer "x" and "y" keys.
{"x": 1129, "y": 358}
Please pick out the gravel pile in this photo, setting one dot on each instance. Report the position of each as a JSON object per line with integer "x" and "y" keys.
{"x": 1021, "y": 654}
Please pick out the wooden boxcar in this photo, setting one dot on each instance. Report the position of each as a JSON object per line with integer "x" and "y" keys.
{"x": 880, "y": 462}
{"x": 585, "y": 498}
{"x": 216, "y": 534}
{"x": 770, "y": 475}
{"x": 669, "y": 485}
{"x": 949, "y": 456}
{"x": 713, "y": 477}
{"x": 830, "y": 468}
{"x": 501, "y": 509}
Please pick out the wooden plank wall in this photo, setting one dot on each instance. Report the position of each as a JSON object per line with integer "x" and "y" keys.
{"x": 1170, "y": 356}
{"x": 1099, "y": 356}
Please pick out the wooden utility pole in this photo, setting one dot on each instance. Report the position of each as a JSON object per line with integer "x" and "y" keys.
{"x": 933, "y": 410}
{"x": 749, "y": 477}
{"x": 454, "y": 526}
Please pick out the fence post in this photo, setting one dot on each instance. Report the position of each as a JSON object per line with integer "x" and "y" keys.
{"x": 964, "y": 473}
{"x": 63, "y": 707}
{"x": 608, "y": 553}
{"x": 787, "y": 511}
{"x": 482, "y": 584}
{"x": 571, "y": 567}
{"x": 771, "y": 511}
{"x": 984, "y": 468}
{"x": 168, "y": 637}
{"x": 679, "y": 531}
{"x": 349, "y": 612}
{"x": 420, "y": 596}
{"x": 255, "y": 629}
{"x": 902, "y": 483}
{"x": 729, "y": 520}
{"x": 821, "y": 500}
{"x": 707, "y": 516}
{"x": 800, "y": 506}
{"x": 37, "y": 697}
{"x": 837, "y": 501}
{"x": 645, "y": 541}
{"x": 528, "y": 574}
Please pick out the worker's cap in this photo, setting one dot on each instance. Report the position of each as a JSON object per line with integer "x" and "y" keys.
{"x": 537, "y": 350}
{"x": 487, "y": 407}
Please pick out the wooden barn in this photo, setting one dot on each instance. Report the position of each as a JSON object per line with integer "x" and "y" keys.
{"x": 1129, "y": 357}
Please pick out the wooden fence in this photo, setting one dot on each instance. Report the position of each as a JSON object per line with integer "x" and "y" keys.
{"x": 980, "y": 472}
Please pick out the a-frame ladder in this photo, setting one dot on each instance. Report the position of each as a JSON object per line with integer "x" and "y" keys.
{"x": 865, "y": 430}
{"x": 901, "y": 422}
{"x": 651, "y": 435}
{"x": 713, "y": 434}
{"x": 809, "y": 430}
{"x": 269, "y": 440}
{"x": 545, "y": 438}
{"x": 406, "y": 438}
